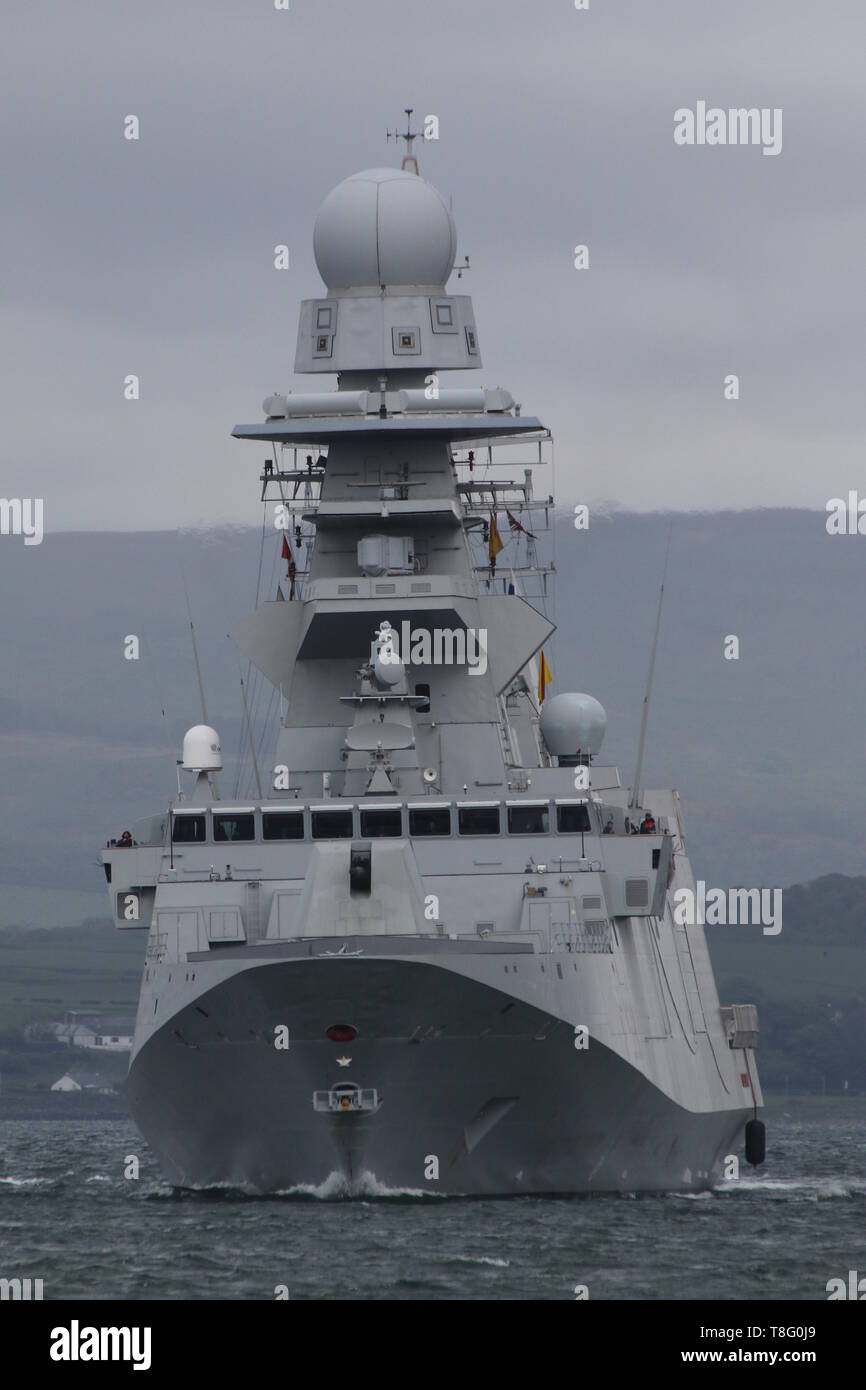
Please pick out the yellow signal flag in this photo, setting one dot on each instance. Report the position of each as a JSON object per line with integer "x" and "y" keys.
{"x": 545, "y": 677}
{"x": 494, "y": 544}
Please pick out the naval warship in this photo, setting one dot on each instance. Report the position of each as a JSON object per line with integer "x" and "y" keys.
{"x": 429, "y": 952}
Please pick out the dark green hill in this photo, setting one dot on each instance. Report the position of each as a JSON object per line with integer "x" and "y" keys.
{"x": 809, "y": 984}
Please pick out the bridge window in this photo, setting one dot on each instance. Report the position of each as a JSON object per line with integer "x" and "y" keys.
{"x": 571, "y": 820}
{"x": 283, "y": 825}
{"x": 331, "y": 825}
{"x": 188, "y": 830}
{"x": 378, "y": 824}
{"x": 430, "y": 820}
{"x": 478, "y": 820}
{"x": 234, "y": 825}
{"x": 528, "y": 820}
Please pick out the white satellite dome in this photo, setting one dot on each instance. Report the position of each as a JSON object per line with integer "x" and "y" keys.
{"x": 202, "y": 751}
{"x": 384, "y": 227}
{"x": 572, "y": 722}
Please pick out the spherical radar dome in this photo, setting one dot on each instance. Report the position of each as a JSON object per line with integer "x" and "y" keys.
{"x": 573, "y": 721}
{"x": 384, "y": 227}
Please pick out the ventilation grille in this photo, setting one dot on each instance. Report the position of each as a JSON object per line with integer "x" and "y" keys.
{"x": 636, "y": 892}
{"x": 591, "y": 904}
{"x": 347, "y": 588}
{"x": 386, "y": 588}
{"x": 421, "y": 588}
{"x": 596, "y": 937}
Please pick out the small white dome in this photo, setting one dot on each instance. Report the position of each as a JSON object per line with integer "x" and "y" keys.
{"x": 384, "y": 227}
{"x": 201, "y": 749}
{"x": 570, "y": 723}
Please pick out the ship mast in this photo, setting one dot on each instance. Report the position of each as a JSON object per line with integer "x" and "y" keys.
{"x": 410, "y": 162}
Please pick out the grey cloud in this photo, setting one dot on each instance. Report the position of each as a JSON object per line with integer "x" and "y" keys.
{"x": 557, "y": 127}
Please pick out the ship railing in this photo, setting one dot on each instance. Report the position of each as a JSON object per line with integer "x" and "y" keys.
{"x": 499, "y": 582}
{"x": 542, "y": 438}
{"x": 295, "y": 490}
{"x": 582, "y": 866}
{"x": 519, "y": 496}
{"x": 591, "y": 939}
{"x": 476, "y": 460}
{"x": 286, "y": 480}
{"x": 346, "y": 1098}
{"x": 486, "y": 483}
{"x": 147, "y": 832}
{"x": 517, "y": 569}
{"x": 480, "y": 498}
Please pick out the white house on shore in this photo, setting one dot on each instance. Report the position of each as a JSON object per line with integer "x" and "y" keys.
{"x": 66, "y": 1083}
{"x": 104, "y": 1034}
{"x": 83, "y": 1081}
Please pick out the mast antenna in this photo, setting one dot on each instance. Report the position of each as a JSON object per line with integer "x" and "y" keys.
{"x": 410, "y": 163}
{"x": 205, "y": 719}
{"x": 252, "y": 742}
{"x": 635, "y": 791}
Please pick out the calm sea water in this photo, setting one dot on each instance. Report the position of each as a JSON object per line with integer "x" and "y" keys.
{"x": 69, "y": 1217}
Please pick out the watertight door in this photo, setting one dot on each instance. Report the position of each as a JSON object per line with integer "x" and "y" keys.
{"x": 187, "y": 934}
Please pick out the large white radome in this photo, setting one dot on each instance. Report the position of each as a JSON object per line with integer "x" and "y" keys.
{"x": 384, "y": 227}
{"x": 572, "y": 722}
{"x": 202, "y": 751}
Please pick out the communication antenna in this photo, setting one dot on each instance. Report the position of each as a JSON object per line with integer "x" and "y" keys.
{"x": 204, "y": 714}
{"x": 250, "y": 734}
{"x": 635, "y": 791}
{"x": 410, "y": 162}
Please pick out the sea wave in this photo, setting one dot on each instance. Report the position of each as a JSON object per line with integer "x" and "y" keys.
{"x": 814, "y": 1189}
{"x": 337, "y": 1186}
{"x": 492, "y": 1260}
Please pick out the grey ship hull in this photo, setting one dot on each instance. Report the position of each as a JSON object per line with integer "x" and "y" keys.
{"x": 490, "y": 1085}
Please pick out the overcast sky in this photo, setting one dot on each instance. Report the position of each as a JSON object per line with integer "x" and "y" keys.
{"x": 556, "y": 128}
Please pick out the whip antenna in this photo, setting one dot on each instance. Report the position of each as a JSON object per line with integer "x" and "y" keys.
{"x": 635, "y": 791}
